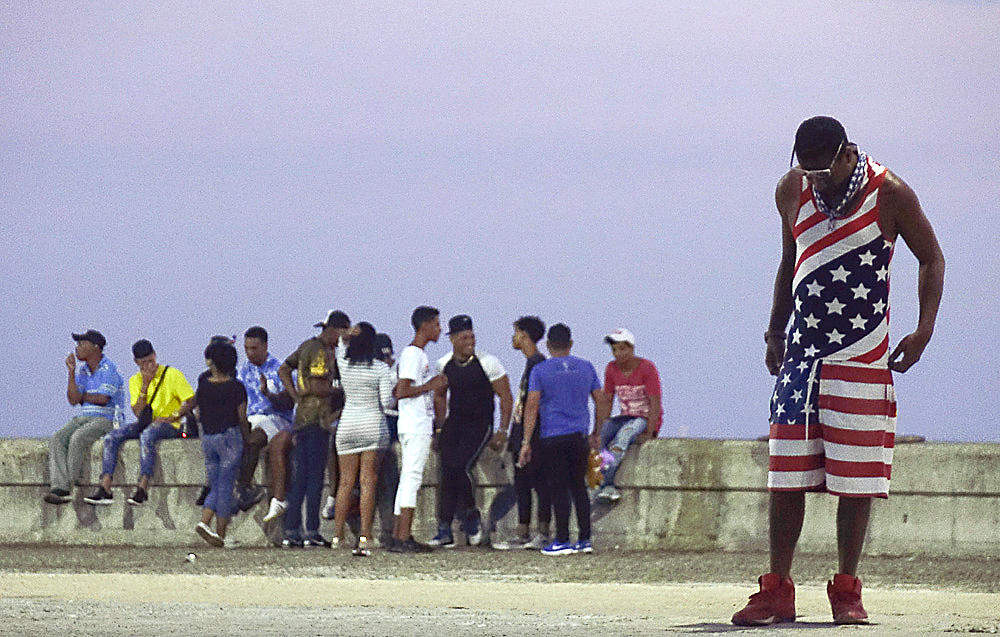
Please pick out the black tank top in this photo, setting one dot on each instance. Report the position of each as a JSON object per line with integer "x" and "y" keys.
{"x": 470, "y": 393}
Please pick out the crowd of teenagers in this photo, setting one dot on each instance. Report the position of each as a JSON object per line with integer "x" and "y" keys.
{"x": 332, "y": 412}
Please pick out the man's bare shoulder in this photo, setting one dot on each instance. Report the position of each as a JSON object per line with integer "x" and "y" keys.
{"x": 788, "y": 189}
{"x": 897, "y": 193}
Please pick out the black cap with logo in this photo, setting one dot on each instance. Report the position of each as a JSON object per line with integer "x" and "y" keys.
{"x": 92, "y": 336}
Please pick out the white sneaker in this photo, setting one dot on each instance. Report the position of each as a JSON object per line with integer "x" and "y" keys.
{"x": 538, "y": 542}
{"x": 228, "y": 543}
{"x": 327, "y": 512}
{"x": 276, "y": 509}
{"x": 609, "y": 493}
{"x": 209, "y": 535}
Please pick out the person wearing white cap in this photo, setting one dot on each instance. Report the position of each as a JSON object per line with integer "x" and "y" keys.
{"x": 635, "y": 382}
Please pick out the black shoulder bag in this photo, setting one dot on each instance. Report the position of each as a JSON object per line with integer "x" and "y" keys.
{"x": 146, "y": 415}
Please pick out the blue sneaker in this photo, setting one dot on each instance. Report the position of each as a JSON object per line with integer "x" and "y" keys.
{"x": 583, "y": 546}
{"x": 443, "y": 538}
{"x": 559, "y": 548}
{"x": 473, "y": 528}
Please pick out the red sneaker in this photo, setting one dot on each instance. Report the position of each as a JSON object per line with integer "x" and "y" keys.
{"x": 845, "y": 600}
{"x": 774, "y": 603}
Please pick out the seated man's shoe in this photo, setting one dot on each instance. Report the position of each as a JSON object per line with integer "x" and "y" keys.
{"x": 57, "y": 496}
{"x": 276, "y": 509}
{"x": 773, "y": 604}
{"x": 609, "y": 493}
{"x": 329, "y": 508}
{"x": 844, "y": 593}
{"x": 100, "y": 497}
{"x": 139, "y": 497}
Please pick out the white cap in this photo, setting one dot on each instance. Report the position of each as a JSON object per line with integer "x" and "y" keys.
{"x": 620, "y": 335}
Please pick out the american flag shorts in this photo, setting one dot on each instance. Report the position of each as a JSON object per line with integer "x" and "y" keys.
{"x": 833, "y": 428}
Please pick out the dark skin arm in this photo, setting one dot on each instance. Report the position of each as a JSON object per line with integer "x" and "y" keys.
{"x": 901, "y": 215}
{"x": 652, "y": 420}
{"x": 73, "y": 393}
{"x": 406, "y": 389}
{"x": 285, "y": 374}
{"x": 501, "y": 387}
{"x": 602, "y": 411}
{"x": 530, "y": 422}
{"x": 786, "y": 198}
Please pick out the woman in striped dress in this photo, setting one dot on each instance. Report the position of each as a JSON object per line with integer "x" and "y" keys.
{"x": 362, "y": 432}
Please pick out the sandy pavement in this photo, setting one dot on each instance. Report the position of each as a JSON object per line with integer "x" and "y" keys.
{"x": 182, "y": 604}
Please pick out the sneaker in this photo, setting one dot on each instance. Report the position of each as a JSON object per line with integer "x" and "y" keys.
{"x": 138, "y": 498}
{"x": 393, "y": 546}
{"x": 291, "y": 543}
{"x": 328, "y": 508}
{"x": 444, "y": 537}
{"x": 57, "y": 496}
{"x": 361, "y": 550}
{"x": 99, "y": 498}
{"x": 200, "y": 501}
{"x": 609, "y": 493}
{"x": 209, "y": 535}
{"x": 538, "y": 542}
{"x": 773, "y": 604}
{"x": 474, "y": 531}
{"x": 276, "y": 509}
{"x": 559, "y": 548}
{"x": 516, "y": 542}
{"x": 583, "y": 546}
{"x": 318, "y": 541}
{"x": 845, "y": 600}
{"x": 249, "y": 497}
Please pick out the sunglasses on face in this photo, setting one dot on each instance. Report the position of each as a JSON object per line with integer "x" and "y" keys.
{"x": 822, "y": 174}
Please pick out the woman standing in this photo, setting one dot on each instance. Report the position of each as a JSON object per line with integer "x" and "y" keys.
{"x": 362, "y": 433}
{"x": 222, "y": 407}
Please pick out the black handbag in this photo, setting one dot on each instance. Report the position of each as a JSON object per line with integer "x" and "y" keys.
{"x": 146, "y": 415}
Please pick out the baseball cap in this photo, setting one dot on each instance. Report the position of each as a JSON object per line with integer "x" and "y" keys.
{"x": 334, "y": 318}
{"x": 459, "y": 323}
{"x": 92, "y": 336}
{"x": 560, "y": 334}
{"x": 142, "y": 348}
{"x": 620, "y": 335}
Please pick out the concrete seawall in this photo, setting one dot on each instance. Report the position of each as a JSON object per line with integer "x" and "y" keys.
{"x": 682, "y": 494}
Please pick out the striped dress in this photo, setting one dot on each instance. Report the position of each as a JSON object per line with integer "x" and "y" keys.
{"x": 833, "y": 411}
{"x": 367, "y": 394}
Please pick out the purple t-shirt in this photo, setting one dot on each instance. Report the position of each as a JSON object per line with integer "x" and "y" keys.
{"x": 566, "y": 383}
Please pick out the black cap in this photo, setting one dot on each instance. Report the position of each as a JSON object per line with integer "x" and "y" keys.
{"x": 559, "y": 334}
{"x": 459, "y": 323}
{"x": 383, "y": 346}
{"x": 92, "y": 336}
{"x": 819, "y": 135}
{"x": 142, "y": 348}
{"x": 334, "y": 318}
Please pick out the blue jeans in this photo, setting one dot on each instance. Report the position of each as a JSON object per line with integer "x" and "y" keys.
{"x": 617, "y": 434}
{"x": 310, "y": 451}
{"x": 223, "y": 452}
{"x": 148, "y": 439}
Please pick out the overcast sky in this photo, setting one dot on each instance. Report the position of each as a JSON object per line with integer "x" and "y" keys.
{"x": 171, "y": 171}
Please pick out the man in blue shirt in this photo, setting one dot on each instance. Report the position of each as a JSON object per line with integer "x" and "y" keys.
{"x": 559, "y": 392}
{"x": 98, "y": 388}
{"x": 270, "y": 415}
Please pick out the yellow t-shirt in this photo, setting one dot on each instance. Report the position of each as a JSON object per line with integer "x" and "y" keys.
{"x": 168, "y": 398}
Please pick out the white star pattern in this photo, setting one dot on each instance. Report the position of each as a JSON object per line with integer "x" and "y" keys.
{"x": 882, "y": 273}
{"x": 798, "y": 303}
{"x": 840, "y": 274}
{"x": 808, "y": 409}
{"x": 775, "y": 397}
{"x": 810, "y": 351}
{"x": 835, "y": 337}
{"x": 811, "y": 322}
{"x": 878, "y": 306}
{"x": 787, "y": 378}
{"x": 858, "y": 322}
{"x": 815, "y": 288}
{"x": 867, "y": 258}
{"x": 861, "y": 292}
{"x": 887, "y": 244}
{"x": 803, "y": 366}
{"x": 796, "y": 336}
{"x": 835, "y": 307}
{"x": 779, "y": 409}
{"x": 797, "y": 395}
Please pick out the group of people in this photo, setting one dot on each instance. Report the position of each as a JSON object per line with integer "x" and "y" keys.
{"x": 832, "y": 417}
{"x": 345, "y": 383}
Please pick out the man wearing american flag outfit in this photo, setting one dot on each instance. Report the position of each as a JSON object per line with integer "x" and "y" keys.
{"x": 833, "y": 410}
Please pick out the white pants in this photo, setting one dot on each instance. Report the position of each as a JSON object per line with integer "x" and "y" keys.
{"x": 415, "y": 448}
{"x": 270, "y": 424}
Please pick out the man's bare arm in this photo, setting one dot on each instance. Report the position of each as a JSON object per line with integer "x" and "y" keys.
{"x": 786, "y": 199}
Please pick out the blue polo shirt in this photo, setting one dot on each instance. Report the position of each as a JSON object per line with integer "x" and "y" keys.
{"x": 104, "y": 380}
{"x": 566, "y": 383}
{"x": 249, "y": 375}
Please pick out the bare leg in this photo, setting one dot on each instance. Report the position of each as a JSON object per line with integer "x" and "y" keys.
{"x": 251, "y": 454}
{"x": 852, "y": 523}
{"x": 277, "y": 452}
{"x": 369, "y": 479}
{"x": 332, "y": 472}
{"x": 207, "y": 515}
{"x": 348, "y": 477}
{"x": 221, "y": 524}
{"x": 404, "y": 524}
{"x": 144, "y": 483}
{"x": 787, "y": 510}
{"x": 106, "y": 482}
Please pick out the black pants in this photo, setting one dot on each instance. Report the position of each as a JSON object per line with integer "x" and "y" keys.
{"x": 564, "y": 459}
{"x": 531, "y": 476}
{"x": 460, "y": 444}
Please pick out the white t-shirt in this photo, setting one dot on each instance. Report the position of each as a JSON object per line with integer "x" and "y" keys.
{"x": 416, "y": 414}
